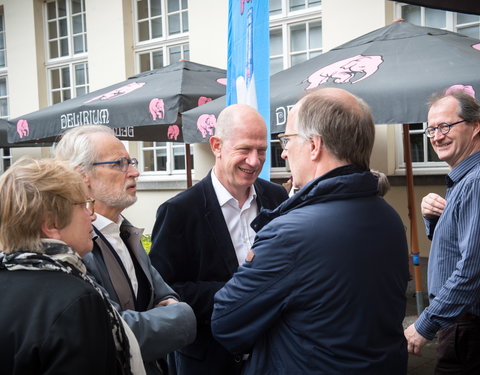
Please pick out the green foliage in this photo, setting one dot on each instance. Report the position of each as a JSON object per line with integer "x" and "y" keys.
{"x": 147, "y": 242}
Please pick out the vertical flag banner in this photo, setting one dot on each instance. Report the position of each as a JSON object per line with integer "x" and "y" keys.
{"x": 248, "y": 65}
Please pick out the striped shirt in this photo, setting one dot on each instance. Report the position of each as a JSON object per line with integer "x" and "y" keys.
{"x": 454, "y": 262}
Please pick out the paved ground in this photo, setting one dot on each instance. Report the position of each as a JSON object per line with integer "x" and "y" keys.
{"x": 424, "y": 364}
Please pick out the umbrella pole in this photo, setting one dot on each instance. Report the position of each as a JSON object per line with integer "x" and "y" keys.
{"x": 413, "y": 220}
{"x": 188, "y": 165}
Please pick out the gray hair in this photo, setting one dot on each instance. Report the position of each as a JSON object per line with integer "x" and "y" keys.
{"x": 468, "y": 106}
{"x": 348, "y": 131}
{"x": 76, "y": 146}
{"x": 233, "y": 116}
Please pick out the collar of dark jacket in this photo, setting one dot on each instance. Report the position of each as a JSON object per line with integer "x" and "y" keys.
{"x": 346, "y": 182}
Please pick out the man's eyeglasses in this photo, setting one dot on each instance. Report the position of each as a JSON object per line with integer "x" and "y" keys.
{"x": 122, "y": 163}
{"x": 443, "y": 128}
{"x": 284, "y": 138}
{"x": 89, "y": 205}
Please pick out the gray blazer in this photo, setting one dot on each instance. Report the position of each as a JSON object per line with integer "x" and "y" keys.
{"x": 159, "y": 330}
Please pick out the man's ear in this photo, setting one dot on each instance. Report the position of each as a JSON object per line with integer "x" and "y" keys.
{"x": 48, "y": 228}
{"x": 316, "y": 144}
{"x": 215, "y": 145}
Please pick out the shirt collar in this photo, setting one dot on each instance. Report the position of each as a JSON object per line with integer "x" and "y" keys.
{"x": 102, "y": 222}
{"x": 460, "y": 170}
{"x": 223, "y": 195}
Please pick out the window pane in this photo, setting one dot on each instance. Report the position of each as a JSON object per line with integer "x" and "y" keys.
{"x": 173, "y": 6}
{"x": 276, "y": 151}
{"x": 80, "y": 74}
{"x": 78, "y": 44}
{"x": 186, "y": 52}
{"x": 276, "y": 47}
{"x": 411, "y": 13}
{"x": 62, "y": 8}
{"x": 3, "y": 87}
{"x": 312, "y": 3}
{"x": 142, "y": 9}
{"x": 51, "y": 11}
{"x": 76, "y": 6}
{"x": 148, "y": 165}
{"x": 275, "y": 7}
{"x": 157, "y": 58}
{"x": 184, "y": 4}
{"x": 466, "y": 18}
{"x": 64, "y": 47}
{"x": 161, "y": 160}
{"x": 3, "y": 108}
{"x": 52, "y": 30}
{"x": 63, "y": 29}
{"x": 143, "y": 33}
{"x": 297, "y": 38}
{"x": 417, "y": 147}
{"x": 145, "y": 62}
{"x": 276, "y": 65}
{"x": 80, "y": 91}
{"x": 66, "y": 77}
{"x": 473, "y": 31}
{"x": 435, "y": 18}
{"x": 55, "y": 79}
{"x": 178, "y": 157}
{"x": 53, "y": 48}
{"x": 174, "y": 24}
{"x": 297, "y": 59}
{"x": 315, "y": 35}
{"x": 155, "y": 8}
{"x": 77, "y": 24}
{"x": 56, "y": 97}
{"x": 174, "y": 54}
{"x": 157, "y": 28}
{"x": 418, "y": 126}
{"x": 66, "y": 94}
{"x": 184, "y": 22}
{"x": 2, "y": 59}
{"x": 297, "y": 4}
{"x": 432, "y": 155}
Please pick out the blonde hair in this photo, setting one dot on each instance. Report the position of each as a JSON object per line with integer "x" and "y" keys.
{"x": 32, "y": 191}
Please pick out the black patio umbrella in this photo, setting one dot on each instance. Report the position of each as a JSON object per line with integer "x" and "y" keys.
{"x": 395, "y": 69}
{"x": 4, "y": 138}
{"x": 144, "y": 107}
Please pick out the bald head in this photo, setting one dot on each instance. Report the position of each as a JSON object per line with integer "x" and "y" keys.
{"x": 237, "y": 116}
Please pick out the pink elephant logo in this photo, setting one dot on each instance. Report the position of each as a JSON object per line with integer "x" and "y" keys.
{"x": 203, "y": 99}
{"x": 173, "y": 132}
{"x": 222, "y": 81}
{"x": 157, "y": 108}
{"x": 206, "y": 123}
{"x": 118, "y": 92}
{"x": 466, "y": 89}
{"x": 351, "y": 70}
{"x": 22, "y": 128}
{"x": 476, "y": 46}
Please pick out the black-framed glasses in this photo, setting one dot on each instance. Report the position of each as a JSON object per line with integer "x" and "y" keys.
{"x": 122, "y": 163}
{"x": 89, "y": 205}
{"x": 284, "y": 138}
{"x": 443, "y": 128}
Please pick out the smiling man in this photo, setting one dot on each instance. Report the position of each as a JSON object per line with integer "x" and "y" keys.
{"x": 118, "y": 261}
{"x": 203, "y": 234}
{"x": 453, "y": 224}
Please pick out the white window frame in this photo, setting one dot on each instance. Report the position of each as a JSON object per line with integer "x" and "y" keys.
{"x": 423, "y": 168}
{"x": 164, "y": 44}
{"x": 69, "y": 61}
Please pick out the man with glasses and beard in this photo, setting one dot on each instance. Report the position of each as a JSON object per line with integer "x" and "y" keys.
{"x": 118, "y": 261}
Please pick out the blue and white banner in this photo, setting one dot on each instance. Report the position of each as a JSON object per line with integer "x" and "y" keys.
{"x": 248, "y": 65}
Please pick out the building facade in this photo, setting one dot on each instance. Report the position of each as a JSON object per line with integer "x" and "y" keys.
{"x": 53, "y": 50}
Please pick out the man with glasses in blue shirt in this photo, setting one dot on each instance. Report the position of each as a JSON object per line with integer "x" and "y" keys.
{"x": 118, "y": 261}
{"x": 453, "y": 224}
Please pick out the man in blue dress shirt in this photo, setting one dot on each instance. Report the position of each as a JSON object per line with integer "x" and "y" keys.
{"x": 453, "y": 224}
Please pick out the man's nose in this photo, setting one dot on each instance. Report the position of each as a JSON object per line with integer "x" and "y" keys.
{"x": 254, "y": 159}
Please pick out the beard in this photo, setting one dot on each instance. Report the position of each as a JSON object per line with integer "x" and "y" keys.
{"x": 118, "y": 198}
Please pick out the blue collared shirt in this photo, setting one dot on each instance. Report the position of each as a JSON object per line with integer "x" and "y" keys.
{"x": 454, "y": 262}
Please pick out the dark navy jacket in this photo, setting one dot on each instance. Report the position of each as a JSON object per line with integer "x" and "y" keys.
{"x": 325, "y": 290}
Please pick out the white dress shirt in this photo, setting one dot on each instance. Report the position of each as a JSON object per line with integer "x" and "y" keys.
{"x": 111, "y": 231}
{"x": 238, "y": 219}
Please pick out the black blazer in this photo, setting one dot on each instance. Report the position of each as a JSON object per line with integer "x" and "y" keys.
{"x": 193, "y": 251}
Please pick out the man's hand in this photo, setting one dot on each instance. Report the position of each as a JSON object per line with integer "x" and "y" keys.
{"x": 415, "y": 341}
{"x": 432, "y": 206}
{"x": 167, "y": 302}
